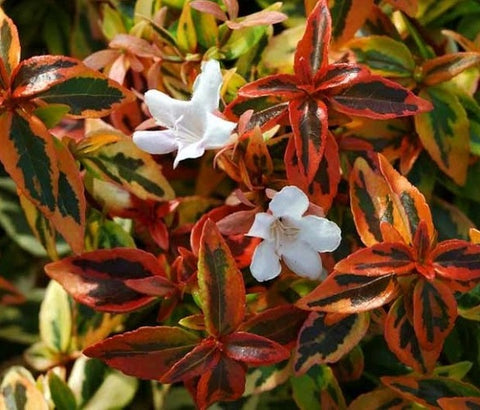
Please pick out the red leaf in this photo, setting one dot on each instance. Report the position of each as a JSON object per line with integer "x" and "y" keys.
{"x": 153, "y": 286}
{"x": 147, "y": 352}
{"x": 434, "y": 313}
{"x": 98, "y": 279}
{"x": 457, "y": 260}
{"x": 9, "y": 294}
{"x": 376, "y": 97}
{"x": 341, "y": 74}
{"x": 459, "y": 403}
{"x": 281, "y": 85}
{"x": 209, "y": 7}
{"x": 350, "y": 293}
{"x": 402, "y": 340}
{"x": 224, "y": 382}
{"x": 444, "y": 68}
{"x": 196, "y": 362}
{"x": 253, "y": 349}
{"x": 309, "y": 122}
{"x": 280, "y": 324}
{"x": 220, "y": 282}
{"x": 311, "y": 57}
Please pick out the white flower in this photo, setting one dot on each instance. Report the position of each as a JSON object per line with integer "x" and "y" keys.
{"x": 192, "y": 126}
{"x": 289, "y": 235}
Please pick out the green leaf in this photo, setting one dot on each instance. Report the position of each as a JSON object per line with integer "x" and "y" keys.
{"x": 56, "y": 319}
{"x": 52, "y": 114}
{"x": 62, "y": 396}
{"x": 186, "y": 34}
{"x": 317, "y": 389}
{"x": 384, "y": 56}
{"x": 241, "y": 41}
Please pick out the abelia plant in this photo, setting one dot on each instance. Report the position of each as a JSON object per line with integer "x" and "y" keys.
{"x": 267, "y": 204}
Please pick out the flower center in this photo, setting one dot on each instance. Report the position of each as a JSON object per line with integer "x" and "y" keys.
{"x": 184, "y": 134}
{"x": 283, "y": 231}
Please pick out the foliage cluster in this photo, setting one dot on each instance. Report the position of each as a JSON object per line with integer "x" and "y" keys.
{"x": 215, "y": 276}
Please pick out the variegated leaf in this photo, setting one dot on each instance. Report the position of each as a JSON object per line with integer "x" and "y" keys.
{"x": 309, "y": 121}
{"x": 383, "y": 55}
{"x": 380, "y": 398}
{"x": 444, "y": 132}
{"x": 457, "y": 260}
{"x": 220, "y": 282}
{"x": 347, "y": 17}
{"x": 427, "y": 390}
{"x": 350, "y": 293}
{"x": 320, "y": 341}
{"x": 434, "y": 313}
{"x": 9, "y": 49}
{"x": 311, "y": 57}
{"x": 98, "y": 278}
{"x": 402, "y": 340}
{"x": 377, "y": 97}
{"x": 147, "y": 352}
{"x": 459, "y": 403}
{"x": 125, "y": 164}
{"x": 440, "y": 69}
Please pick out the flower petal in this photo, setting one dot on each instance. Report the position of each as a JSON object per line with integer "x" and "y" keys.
{"x": 165, "y": 109}
{"x": 206, "y": 88}
{"x": 265, "y": 262}
{"x": 302, "y": 259}
{"x": 193, "y": 150}
{"x": 320, "y": 233}
{"x": 155, "y": 142}
{"x": 217, "y": 131}
{"x": 261, "y": 226}
{"x": 290, "y": 201}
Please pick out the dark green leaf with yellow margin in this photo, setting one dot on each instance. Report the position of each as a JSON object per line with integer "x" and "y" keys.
{"x": 444, "y": 132}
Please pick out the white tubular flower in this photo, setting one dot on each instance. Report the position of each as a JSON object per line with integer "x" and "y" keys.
{"x": 289, "y": 235}
{"x": 192, "y": 126}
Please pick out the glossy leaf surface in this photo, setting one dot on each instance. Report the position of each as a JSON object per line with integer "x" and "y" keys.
{"x": 98, "y": 278}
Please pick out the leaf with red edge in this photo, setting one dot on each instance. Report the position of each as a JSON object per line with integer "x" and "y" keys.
{"x": 427, "y": 390}
{"x": 281, "y": 85}
{"x": 29, "y": 156}
{"x": 347, "y": 17}
{"x": 253, "y": 349}
{"x": 98, "y": 278}
{"x": 309, "y": 122}
{"x": 444, "y": 68}
{"x": 311, "y": 57}
{"x": 341, "y": 74}
{"x": 9, "y": 294}
{"x": 457, "y": 260}
{"x": 9, "y": 48}
{"x": 379, "y": 260}
{"x": 224, "y": 382}
{"x": 434, "y": 313}
{"x": 69, "y": 215}
{"x": 147, "y": 352}
{"x": 323, "y": 188}
{"x": 459, "y": 403}
{"x": 346, "y": 292}
{"x": 379, "y": 399}
{"x": 196, "y": 362}
{"x": 320, "y": 341}
{"x": 220, "y": 283}
{"x": 377, "y": 97}
{"x": 153, "y": 285}
{"x": 402, "y": 341}
{"x": 280, "y": 324}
